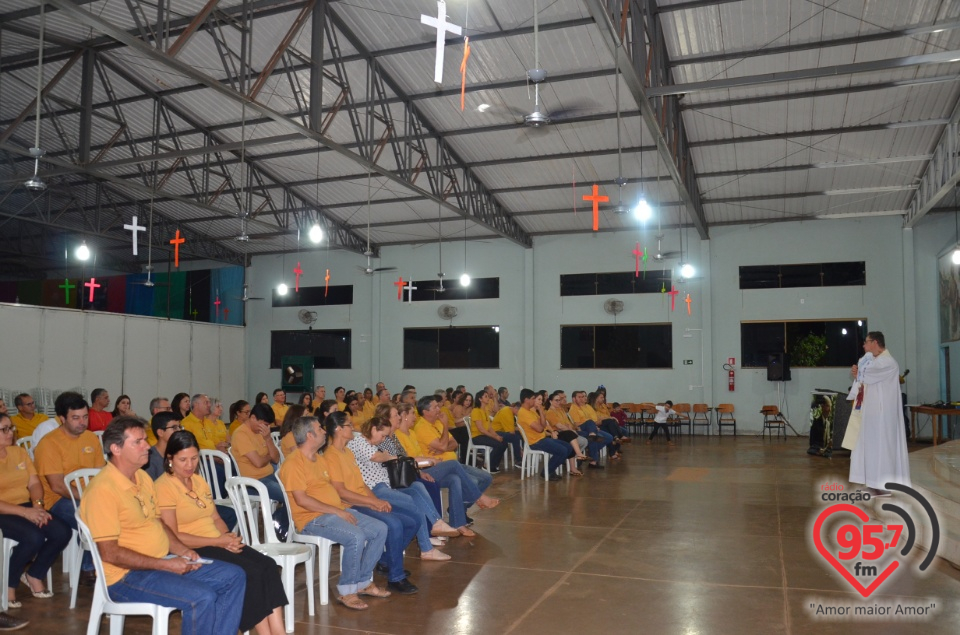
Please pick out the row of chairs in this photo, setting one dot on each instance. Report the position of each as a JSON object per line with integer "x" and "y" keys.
{"x": 692, "y": 416}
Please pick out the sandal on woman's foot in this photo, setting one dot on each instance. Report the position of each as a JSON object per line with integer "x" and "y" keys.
{"x": 352, "y": 601}
{"x": 14, "y": 604}
{"x": 434, "y": 554}
{"x": 494, "y": 502}
{"x": 466, "y": 532}
{"x": 374, "y": 591}
{"x": 43, "y": 595}
{"x": 441, "y": 528}
{"x": 576, "y": 473}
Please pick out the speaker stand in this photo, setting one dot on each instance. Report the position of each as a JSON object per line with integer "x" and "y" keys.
{"x": 781, "y": 397}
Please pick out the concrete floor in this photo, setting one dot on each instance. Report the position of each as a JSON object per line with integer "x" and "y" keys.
{"x": 710, "y": 536}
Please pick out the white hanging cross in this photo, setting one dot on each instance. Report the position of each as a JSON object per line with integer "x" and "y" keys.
{"x": 135, "y": 228}
{"x": 410, "y": 289}
{"x": 442, "y": 26}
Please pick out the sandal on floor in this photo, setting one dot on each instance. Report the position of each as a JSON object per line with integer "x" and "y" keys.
{"x": 496, "y": 501}
{"x": 434, "y": 554}
{"x": 14, "y": 604}
{"x": 441, "y": 528}
{"x": 374, "y": 591}
{"x": 42, "y": 595}
{"x": 576, "y": 473}
{"x": 466, "y": 532}
{"x": 352, "y": 601}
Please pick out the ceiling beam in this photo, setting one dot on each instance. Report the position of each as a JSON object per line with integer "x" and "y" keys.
{"x": 941, "y": 174}
{"x": 944, "y": 57}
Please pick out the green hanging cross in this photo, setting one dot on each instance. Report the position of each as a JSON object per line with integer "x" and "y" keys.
{"x": 663, "y": 291}
{"x": 644, "y": 259}
{"x": 195, "y": 313}
{"x": 66, "y": 286}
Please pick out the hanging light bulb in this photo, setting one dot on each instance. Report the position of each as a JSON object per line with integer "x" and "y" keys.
{"x": 687, "y": 270}
{"x": 282, "y": 289}
{"x": 643, "y": 212}
{"x": 82, "y": 252}
{"x": 316, "y": 233}
{"x": 465, "y": 280}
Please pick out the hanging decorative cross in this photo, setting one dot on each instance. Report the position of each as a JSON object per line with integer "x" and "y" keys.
{"x": 637, "y": 254}
{"x": 217, "y": 304}
{"x": 688, "y": 301}
{"x": 326, "y": 283}
{"x": 463, "y": 71}
{"x": 442, "y": 26}
{"x": 135, "y": 228}
{"x": 195, "y": 313}
{"x": 646, "y": 254}
{"x": 226, "y": 314}
{"x": 176, "y": 242}
{"x": 673, "y": 297}
{"x": 409, "y": 289}
{"x": 597, "y": 199}
{"x": 66, "y": 286}
{"x": 92, "y": 285}
{"x": 297, "y": 271}
{"x": 399, "y": 285}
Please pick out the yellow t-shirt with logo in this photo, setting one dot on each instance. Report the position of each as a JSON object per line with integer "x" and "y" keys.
{"x": 245, "y": 441}
{"x": 427, "y": 433}
{"x": 191, "y": 518}
{"x": 300, "y": 474}
{"x": 15, "y": 471}
{"x": 60, "y": 453}
{"x": 524, "y": 419}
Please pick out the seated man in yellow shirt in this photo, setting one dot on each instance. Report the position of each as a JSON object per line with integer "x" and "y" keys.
{"x": 210, "y": 435}
{"x": 504, "y": 424}
{"x": 585, "y": 418}
{"x": 27, "y": 418}
{"x": 434, "y": 437}
{"x": 157, "y": 405}
{"x": 279, "y": 405}
{"x": 256, "y": 455}
{"x": 143, "y": 560}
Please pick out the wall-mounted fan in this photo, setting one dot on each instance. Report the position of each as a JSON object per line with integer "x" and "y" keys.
{"x": 447, "y": 311}
{"x": 613, "y": 306}
{"x": 307, "y": 317}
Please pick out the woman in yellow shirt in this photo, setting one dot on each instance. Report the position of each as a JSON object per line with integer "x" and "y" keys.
{"x": 187, "y": 508}
{"x": 239, "y": 411}
{"x": 483, "y": 433}
{"x": 557, "y": 422}
{"x": 41, "y": 537}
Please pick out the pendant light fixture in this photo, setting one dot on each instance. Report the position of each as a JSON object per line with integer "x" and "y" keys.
{"x": 35, "y": 183}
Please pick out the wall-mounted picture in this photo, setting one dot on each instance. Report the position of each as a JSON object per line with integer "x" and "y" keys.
{"x": 949, "y": 275}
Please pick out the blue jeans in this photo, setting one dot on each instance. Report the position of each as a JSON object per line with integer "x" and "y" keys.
{"x": 39, "y": 545}
{"x": 482, "y": 478}
{"x": 557, "y": 449}
{"x": 497, "y": 449}
{"x": 433, "y": 489}
{"x": 211, "y": 598}
{"x": 403, "y": 503}
{"x": 611, "y": 427}
{"x": 401, "y": 528}
{"x": 461, "y": 489}
{"x": 513, "y": 439}
{"x": 361, "y": 544}
{"x": 64, "y": 510}
{"x": 603, "y": 439}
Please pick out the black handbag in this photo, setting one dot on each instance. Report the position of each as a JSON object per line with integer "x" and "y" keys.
{"x": 403, "y": 471}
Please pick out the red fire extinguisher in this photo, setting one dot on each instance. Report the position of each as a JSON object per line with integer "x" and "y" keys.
{"x": 731, "y": 374}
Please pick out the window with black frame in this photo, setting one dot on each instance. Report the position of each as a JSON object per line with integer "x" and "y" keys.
{"x": 616, "y": 346}
{"x": 810, "y": 343}
{"x": 451, "y": 347}
{"x": 330, "y": 348}
{"x": 823, "y": 274}
{"x": 621, "y": 282}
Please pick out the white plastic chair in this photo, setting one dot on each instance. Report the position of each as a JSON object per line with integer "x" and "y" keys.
{"x": 531, "y": 459}
{"x": 118, "y": 610}
{"x": 323, "y": 545}
{"x": 78, "y": 479}
{"x": 275, "y": 435}
{"x": 27, "y": 444}
{"x": 286, "y": 555}
{"x": 474, "y": 451}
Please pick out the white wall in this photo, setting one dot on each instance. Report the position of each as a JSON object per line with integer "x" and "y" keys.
{"x": 140, "y": 356}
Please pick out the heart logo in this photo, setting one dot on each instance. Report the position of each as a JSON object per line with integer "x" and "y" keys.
{"x": 829, "y": 557}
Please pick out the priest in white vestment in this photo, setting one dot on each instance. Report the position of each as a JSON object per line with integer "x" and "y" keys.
{"x": 880, "y": 454}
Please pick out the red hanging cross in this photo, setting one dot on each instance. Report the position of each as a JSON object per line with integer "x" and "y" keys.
{"x": 92, "y": 285}
{"x": 597, "y": 199}
{"x": 176, "y": 242}
{"x": 673, "y": 297}
{"x": 688, "y": 301}
{"x": 226, "y": 313}
{"x": 66, "y": 286}
{"x": 326, "y": 286}
{"x": 399, "y": 285}
{"x": 637, "y": 253}
{"x": 217, "y": 304}
{"x": 297, "y": 271}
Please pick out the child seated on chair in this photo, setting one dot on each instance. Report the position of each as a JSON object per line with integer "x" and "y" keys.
{"x": 620, "y": 416}
{"x": 665, "y": 412}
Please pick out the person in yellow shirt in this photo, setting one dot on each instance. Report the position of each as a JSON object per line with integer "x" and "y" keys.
{"x": 435, "y": 438}
{"x": 210, "y": 434}
{"x": 68, "y": 448}
{"x": 318, "y": 510}
{"x": 256, "y": 454}
{"x": 27, "y": 418}
{"x": 143, "y": 560}
{"x": 157, "y": 405}
{"x": 585, "y": 418}
{"x": 597, "y": 401}
{"x": 483, "y": 433}
{"x": 534, "y": 425}
{"x": 279, "y": 405}
{"x": 239, "y": 411}
{"x": 368, "y": 403}
{"x": 339, "y": 393}
{"x": 357, "y": 416}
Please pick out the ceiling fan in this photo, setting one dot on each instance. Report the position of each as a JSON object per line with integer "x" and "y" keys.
{"x": 370, "y": 270}
{"x": 539, "y": 120}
